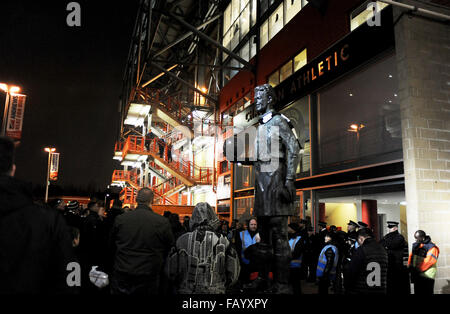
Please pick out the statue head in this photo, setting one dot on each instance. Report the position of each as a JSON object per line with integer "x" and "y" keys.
{"x": 265, "y": 98}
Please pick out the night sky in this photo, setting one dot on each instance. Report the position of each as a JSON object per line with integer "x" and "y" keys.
{"x": 72, "y": 77}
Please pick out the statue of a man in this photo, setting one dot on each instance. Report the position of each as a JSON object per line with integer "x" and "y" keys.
{"x": 275, "y": 163}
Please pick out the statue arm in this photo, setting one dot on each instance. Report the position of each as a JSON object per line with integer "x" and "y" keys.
{"x": 292, "y": 148}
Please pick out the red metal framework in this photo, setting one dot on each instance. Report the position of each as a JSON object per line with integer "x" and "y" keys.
{"x": 137, "y": 145}
{"x": 128, "y": 196}
{"x": 130, "y": 177}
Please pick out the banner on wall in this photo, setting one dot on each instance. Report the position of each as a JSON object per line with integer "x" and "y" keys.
{"x": 15, "y": 116}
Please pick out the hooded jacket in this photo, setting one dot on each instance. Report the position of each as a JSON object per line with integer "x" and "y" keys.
{"x": 203, "y": 261}
{"x": 35, "y": 246}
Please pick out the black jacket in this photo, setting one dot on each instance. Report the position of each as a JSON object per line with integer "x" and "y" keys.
{"x": 142, "y": 240}
{"x": 35, "y": 246}
{"x": 394, "y": 243}
{"x": 370, "y": 251}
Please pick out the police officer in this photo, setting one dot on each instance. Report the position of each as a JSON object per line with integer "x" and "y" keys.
{"x": 351, "y": 242}
{"x": 309, "y": 261}
{"x": 296, "y": 244}
{"x": 395, "y": 243}
{"x": 352, "y": 230}
{"x": 327, "y": 264}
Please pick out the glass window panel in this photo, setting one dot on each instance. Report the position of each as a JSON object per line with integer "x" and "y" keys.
{"x": 227, "y": 19}
{"x": 292, "y": 7}
{"x": 235, "y": 10}
{"x": 300, "y": 60}
{"x": 253, "y": 12}
{"x": 361, "y": 15}
{"x": 244, "y": 209}
{"x": 286, "y": 71}
{"x": 245, "y": 51}
{"x": 274, "y": 79}
{"x": 245, "y": 21}
{"x": 264, "y": 6}
{"x": 244, "y": 4}
{"x": 252, "y": 46}
{"x": 236, "y": 64}
{"x": 234, "y": 35}
{"x": 298, "y": 113}
{"x": 226, "y": 43}
{"x": 359, "y": 118}
{"x": 276, "y": 21}
{"x": 264, "y": 34}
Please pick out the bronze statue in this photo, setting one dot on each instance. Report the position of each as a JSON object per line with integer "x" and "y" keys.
{"x": 275, "y": 160}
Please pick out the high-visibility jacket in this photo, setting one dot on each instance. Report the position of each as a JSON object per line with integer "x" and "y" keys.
{"x": 295, "y": 263}
{"x": 246, "y": 240}
{"x": 423, "y": 258}
{"x": 323, "y": 262}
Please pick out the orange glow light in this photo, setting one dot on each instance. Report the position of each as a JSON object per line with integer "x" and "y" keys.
{"x": 49, "y": 150}
{"x": 354, "y": 126}
{"x": 14, "y": 89}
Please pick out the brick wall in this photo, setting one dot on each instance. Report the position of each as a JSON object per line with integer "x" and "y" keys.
{"x": 423, "y": 62}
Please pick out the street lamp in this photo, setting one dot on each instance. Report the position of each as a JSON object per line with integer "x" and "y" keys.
{"x": 49, "y": 150}
{"x": 9, "y": 90}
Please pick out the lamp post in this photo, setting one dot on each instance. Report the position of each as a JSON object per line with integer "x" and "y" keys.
{"x": 49, "y": 150}
{"x": 9, "y": 90}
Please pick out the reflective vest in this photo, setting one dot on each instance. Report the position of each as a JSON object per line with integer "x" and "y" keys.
{"x": 246, "y": 240}
{"x": 295, "y": 263}
{"x": 424, "y": 259}
{"x": 323, "y": 262}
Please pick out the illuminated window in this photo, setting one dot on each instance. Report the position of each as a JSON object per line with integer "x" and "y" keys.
{"x": 245, "y": 52}
{"x": 274, "y": 79}
{"x": 253, "y": 13}
{"x": 300, "y": 60}
{"x": 235, "y": 9}
{"x": 276, "y": 21}
{"x": 234, "y": 35}
{"x": 286, "y": 71}
{"x": 264, "y": 34}
{"x": 239, "y": 16}
{"x": 226, "y": 43}
{"x": 227, "y": 19}
{"x": 245, "y": 21}
{"x": 292, "y": 7}
{"x": 361, "y": 15}
{"x": 252, "y": 46}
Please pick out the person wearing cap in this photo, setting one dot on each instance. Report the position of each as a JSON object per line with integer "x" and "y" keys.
{"x": 351, "y": 241}
{"x": 72, "y": 214}
{"x": 395, "y": 243}
{"x": 422, "y": 263}
{"x": 352, "y": 229}
{"x": 309, "y": 261}
{"x": 362, "y": 224}
{"x": 327, "y": 264}
{"x": 302, "y": 224}
{"x": 368, "y": 268}
{"x": 296, "y": 244}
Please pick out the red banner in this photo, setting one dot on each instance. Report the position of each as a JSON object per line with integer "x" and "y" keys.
{"x": 15, "y": 116}
{"x": 54, "y": 165}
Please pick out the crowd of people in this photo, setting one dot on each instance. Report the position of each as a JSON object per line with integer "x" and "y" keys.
{"x": 136, "y": 251}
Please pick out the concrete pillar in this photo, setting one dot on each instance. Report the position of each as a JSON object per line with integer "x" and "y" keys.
{"x": 369, "y": 213}
{"x": 423, "y": 65}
